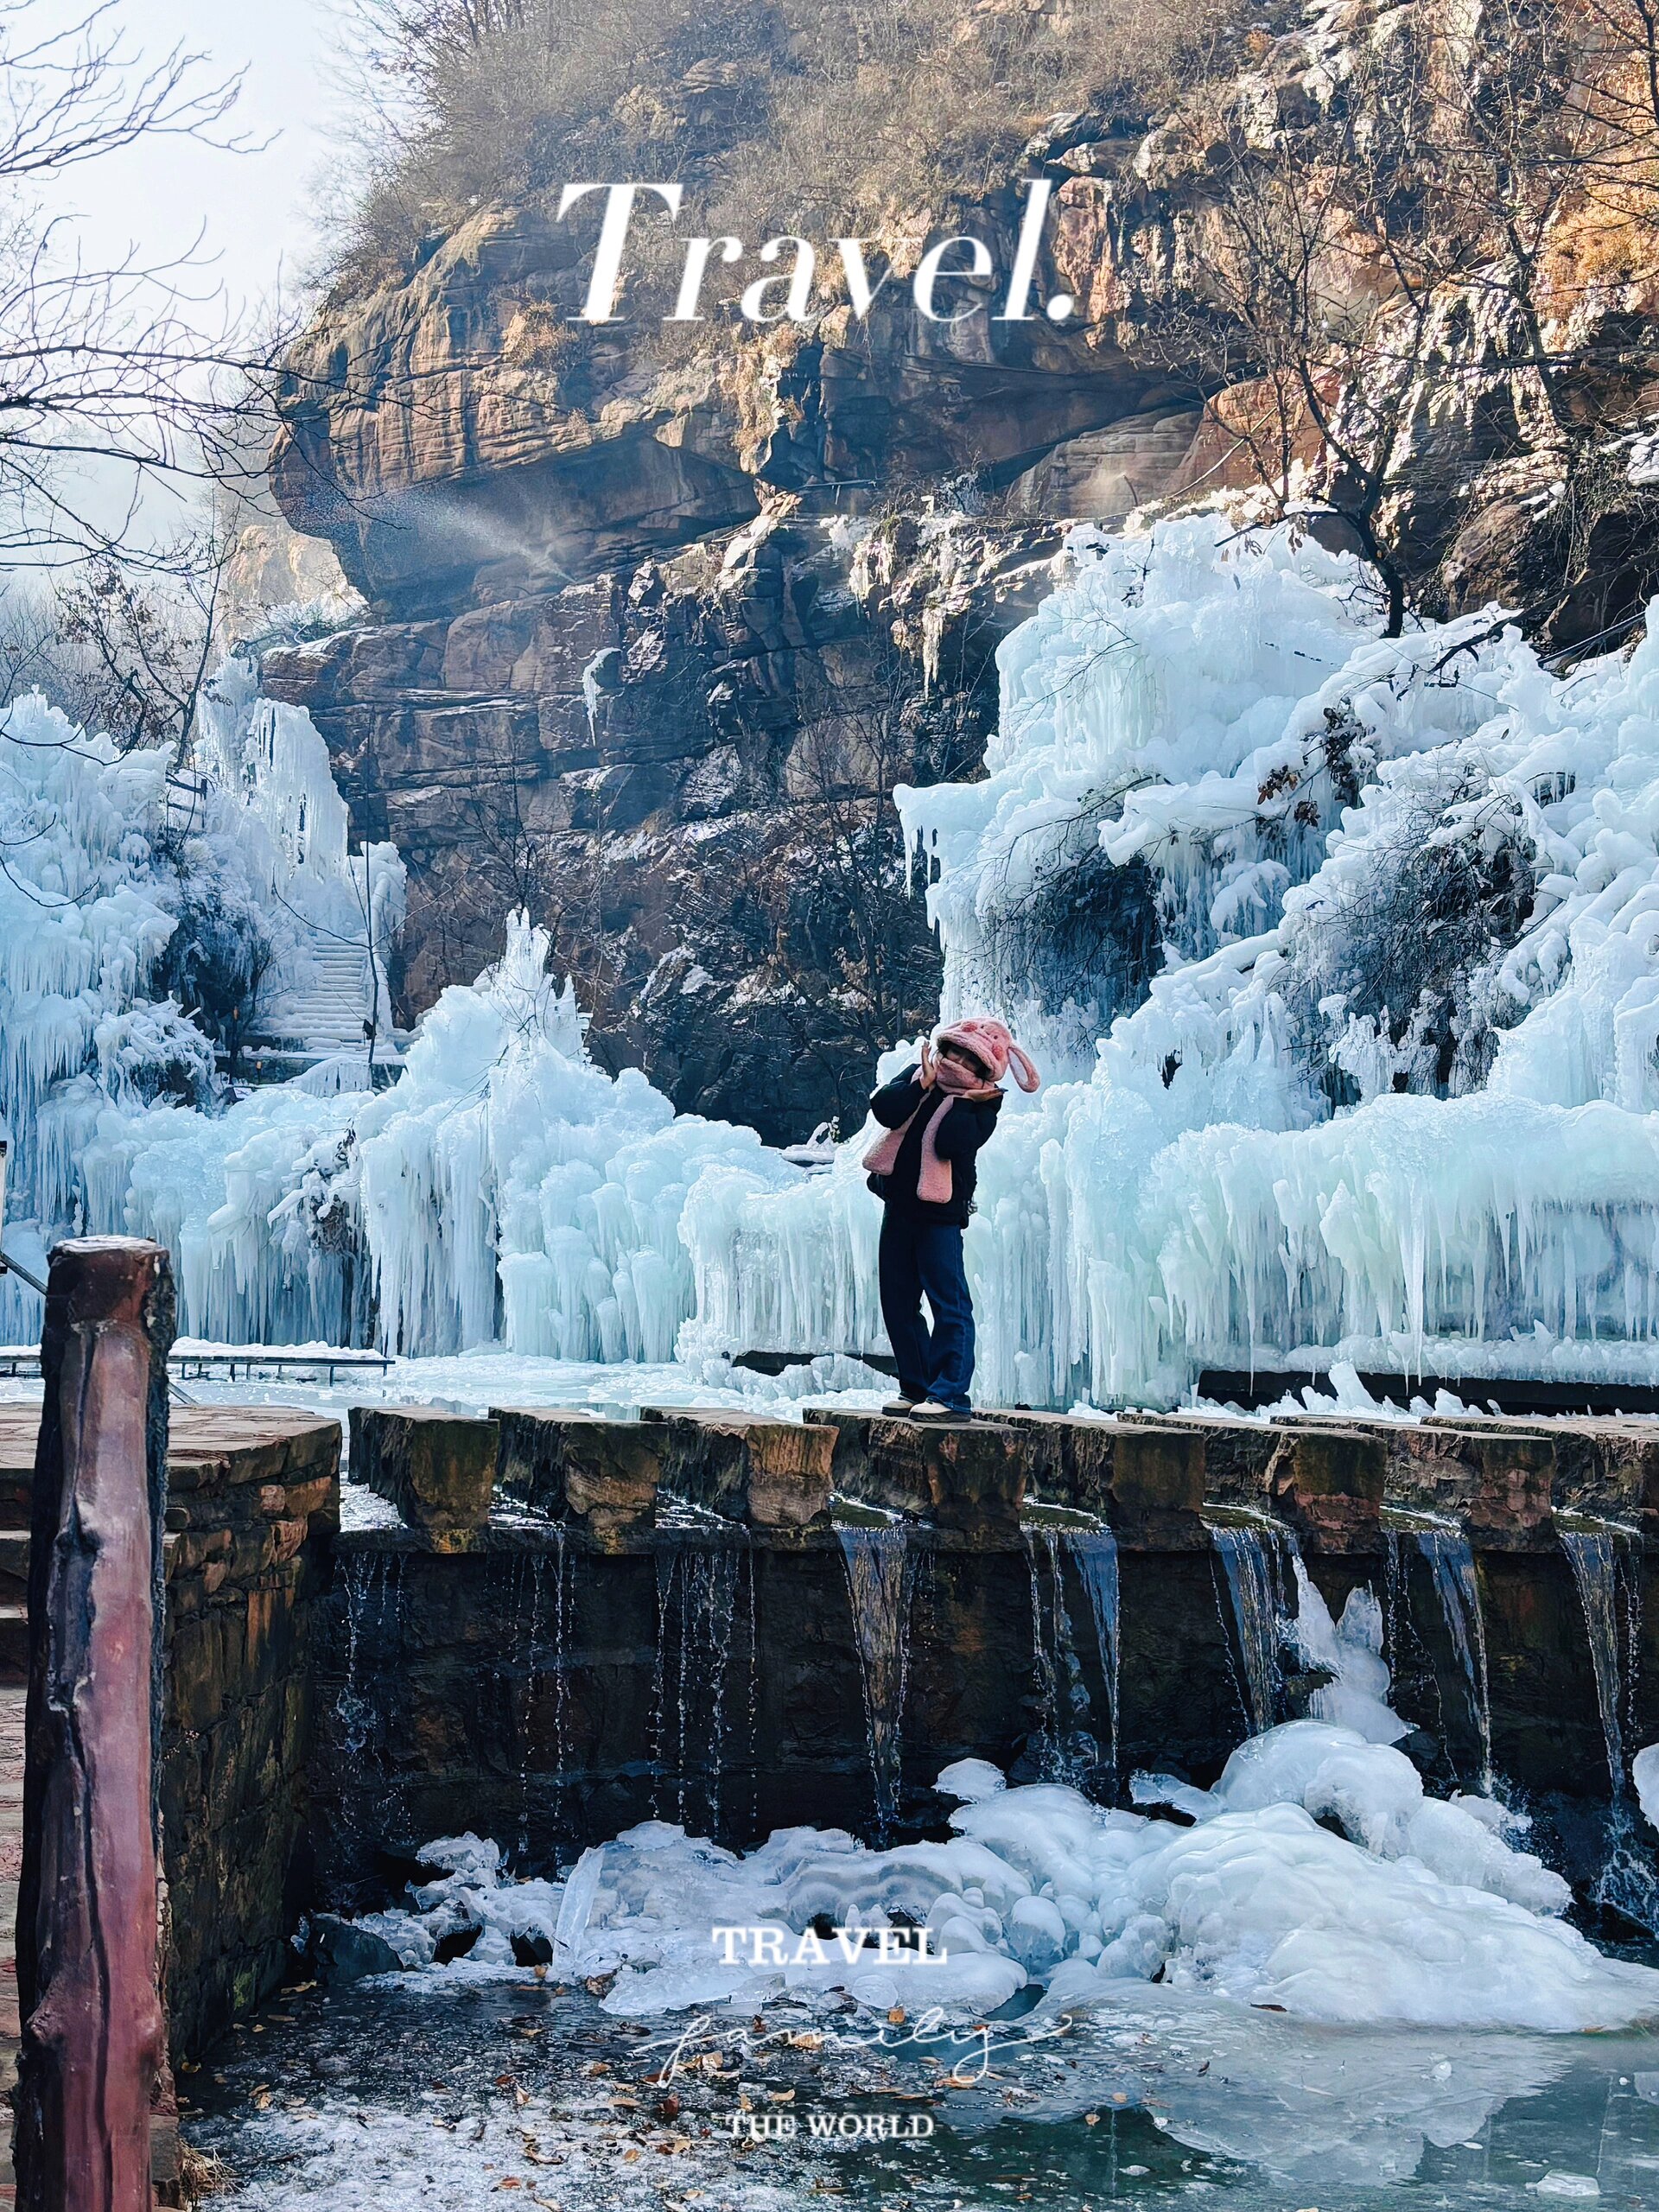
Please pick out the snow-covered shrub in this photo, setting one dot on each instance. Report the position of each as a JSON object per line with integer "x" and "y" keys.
{"x": 219, "y": 955}
{"x": 1080, "y": 940}
{"x": 154, "y": 1051}
{"x": 1389, "y": 961}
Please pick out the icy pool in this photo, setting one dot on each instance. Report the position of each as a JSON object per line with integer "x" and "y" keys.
{"x": 405, "y": 2093}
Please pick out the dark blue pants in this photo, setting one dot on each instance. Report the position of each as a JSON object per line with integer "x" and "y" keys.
{"x": 920, "y": 1257}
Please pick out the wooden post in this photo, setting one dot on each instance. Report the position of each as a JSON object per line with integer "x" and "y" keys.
{"x": 93, "y": 2036}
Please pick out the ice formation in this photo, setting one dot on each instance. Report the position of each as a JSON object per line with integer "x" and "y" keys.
{"x": 1317, "y": 1876}
{"x": 1341, "y": 949}
{"x": 505, "y": 1191}
{"x": 1421, "y": 1911}
{"x": 1347, "y": 945}
{"x": 118, "y": 869}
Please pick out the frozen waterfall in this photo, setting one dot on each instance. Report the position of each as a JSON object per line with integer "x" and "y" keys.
{"x": 1384, "y": 1087}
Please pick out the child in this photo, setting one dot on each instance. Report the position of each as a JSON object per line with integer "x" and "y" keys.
{"x": 936, "y": 1116}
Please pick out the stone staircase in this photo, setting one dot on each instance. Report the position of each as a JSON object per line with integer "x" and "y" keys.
{"x": 320, "y": 1019}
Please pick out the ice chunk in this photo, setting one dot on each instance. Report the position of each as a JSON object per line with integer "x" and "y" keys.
{"x": 970, "y": 1780}
{"x": 1645, "y": 1772}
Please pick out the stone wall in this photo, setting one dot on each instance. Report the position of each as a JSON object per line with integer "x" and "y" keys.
{"x": 658, "y": 1619}
{"x": 253, "y": 1504}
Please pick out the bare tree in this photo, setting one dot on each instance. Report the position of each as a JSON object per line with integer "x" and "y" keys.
{"x": 146, "y": 643}
{"x": 1350, "y": 249}
{"x": 99, "y": 361}
{"x": 1312, "y": 323}
{"x": 1513, "y": 141}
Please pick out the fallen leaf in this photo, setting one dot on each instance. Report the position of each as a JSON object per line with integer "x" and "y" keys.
{"x": 896, "y": 2018}
{"x": 1091, "y": 2120}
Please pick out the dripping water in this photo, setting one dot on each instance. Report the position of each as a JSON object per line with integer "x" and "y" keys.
{"x": 1094, "y": 1554}
{"x": 1067, "y": 1747}
{"x": 534, "y": 1569}
{"x": 1610, "y": 1596}
{"x": 371, "y": 1605}
{"x": 696, "y": 1638}
{"x": 751, "y": 1717}
{"x": 373, "y": 1593}
{"x": 1054, "y": 1660}
{"x": 880, "y": 1576}
{"x": 1394, "y": 1594}
{"x": 1249, "y": 1559}
{"x": 561, "y": 1672}
{"x": 1592, "y": 1554}
{"x": 1452, "y": 1564}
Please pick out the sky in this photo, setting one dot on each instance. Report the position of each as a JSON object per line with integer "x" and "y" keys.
{"x": 251, "y": 206}
{"x": 246, "y": 219}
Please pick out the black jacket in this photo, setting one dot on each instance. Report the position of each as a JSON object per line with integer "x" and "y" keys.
{"x": 969, "y": 1124}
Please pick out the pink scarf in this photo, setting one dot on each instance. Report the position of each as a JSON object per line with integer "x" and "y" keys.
{"x": 935, "y": 1184}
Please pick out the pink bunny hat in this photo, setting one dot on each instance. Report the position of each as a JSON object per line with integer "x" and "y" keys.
{"x": 990, "y": 1042}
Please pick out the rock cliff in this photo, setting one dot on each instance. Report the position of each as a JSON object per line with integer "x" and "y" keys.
{"x": 657, "y": 627}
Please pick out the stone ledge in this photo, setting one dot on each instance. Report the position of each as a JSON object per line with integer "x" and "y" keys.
{"x": 1153, "y": 1480}
{"x": 438, "y": 1469}
{"x": 773, "y": 1474}
{"x": 967, "y": 1477}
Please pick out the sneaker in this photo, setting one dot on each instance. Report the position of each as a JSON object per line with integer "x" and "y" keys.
{"x": 900, "y": 1409}
{"x": 935, "y": 1409}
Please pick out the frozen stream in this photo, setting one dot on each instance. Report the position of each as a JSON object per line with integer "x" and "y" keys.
{"x": 461, "y": 2092}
